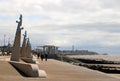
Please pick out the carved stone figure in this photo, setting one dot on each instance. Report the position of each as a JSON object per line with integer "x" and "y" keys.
{"x": 16, "y": 46}
{"x": 23, "y": 49}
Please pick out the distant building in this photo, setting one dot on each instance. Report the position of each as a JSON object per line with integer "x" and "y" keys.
{"x": 77, "y": 52}
{"x": 51, "y": 50}
{"x": 7, "y": 48}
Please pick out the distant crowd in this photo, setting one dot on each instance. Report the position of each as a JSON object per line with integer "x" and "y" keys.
{"x": 41, "y": 55}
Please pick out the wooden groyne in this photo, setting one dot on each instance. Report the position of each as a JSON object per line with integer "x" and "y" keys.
{"x": 95, "y": 64}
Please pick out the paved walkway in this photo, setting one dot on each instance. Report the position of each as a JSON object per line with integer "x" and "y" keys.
{"x": 56, "y": 71}
{"x": 61, "y": 71}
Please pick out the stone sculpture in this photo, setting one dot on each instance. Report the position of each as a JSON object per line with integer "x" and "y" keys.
{"x": 16, "y": 46}
{"x": 31, "y": 70}
{"x": 23, "y": 48}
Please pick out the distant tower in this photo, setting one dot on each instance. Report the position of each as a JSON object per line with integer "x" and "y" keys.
{"x": 4, "y": 39}
{"x": 4, "y": 43}
{"x": 73, "y": 48}
{"x": 9, "y": 46}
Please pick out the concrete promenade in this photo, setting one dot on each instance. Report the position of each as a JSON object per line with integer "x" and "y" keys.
{"x": 56, "y": 71}
{"x": 61, "y": 71}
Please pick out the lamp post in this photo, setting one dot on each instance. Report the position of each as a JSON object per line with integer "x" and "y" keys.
{"x": 4, "y": 39}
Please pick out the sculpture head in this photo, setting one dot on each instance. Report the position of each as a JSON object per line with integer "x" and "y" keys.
{"x": 25, "y": 35}
{"x": 20, "y": 17}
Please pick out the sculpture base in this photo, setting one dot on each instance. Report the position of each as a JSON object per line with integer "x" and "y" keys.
{"x": 30, "y": 70}
{"x": 28, "y": 60}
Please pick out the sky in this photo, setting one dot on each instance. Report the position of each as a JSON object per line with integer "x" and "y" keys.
{"x": 92, "y": 25}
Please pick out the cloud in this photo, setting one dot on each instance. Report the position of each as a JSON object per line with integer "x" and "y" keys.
{"x": 84, "y": 23}
{"x": 113, "y": 4}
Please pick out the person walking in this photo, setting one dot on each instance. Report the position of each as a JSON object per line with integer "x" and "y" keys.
{"x": 42, "y": 57}
{"x": 38, "y": 54}
{"x": 46, "y": 56}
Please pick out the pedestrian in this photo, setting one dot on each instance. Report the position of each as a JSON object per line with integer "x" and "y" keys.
{"x": 46, "y": 56}
{"x": 38, "y": 55}
{"x": 42, "y": 57}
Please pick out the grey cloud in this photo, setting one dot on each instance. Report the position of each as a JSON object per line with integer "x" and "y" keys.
{"x": 85, "y": 23}
{"x": 80, "y": 5}
{"x": 73, "y": 6}
{"x": 108, "y": 27}
{"x": 114, "y": 50}
{"x": 96, "y": 26}
{"x": 110, "y": 4}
